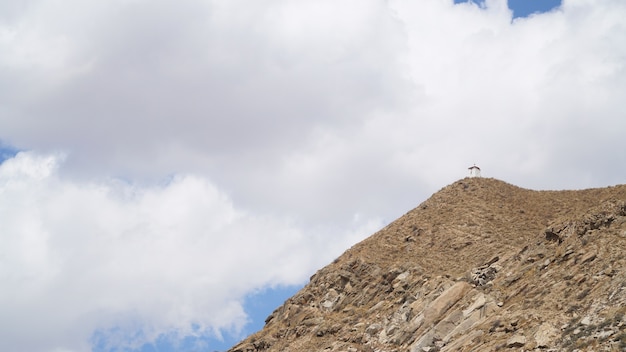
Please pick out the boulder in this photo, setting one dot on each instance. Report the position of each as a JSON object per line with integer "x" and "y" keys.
{"x": 434, "y": 311}
{"x": 516, "y": 341}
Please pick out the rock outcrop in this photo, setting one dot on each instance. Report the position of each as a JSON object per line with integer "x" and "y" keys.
{"x": 480, "y": 266}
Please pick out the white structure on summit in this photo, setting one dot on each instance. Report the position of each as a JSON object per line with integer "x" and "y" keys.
{"x": 474, "y": 171}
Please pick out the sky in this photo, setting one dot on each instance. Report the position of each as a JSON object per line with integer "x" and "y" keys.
{"x": 172, "y": 171}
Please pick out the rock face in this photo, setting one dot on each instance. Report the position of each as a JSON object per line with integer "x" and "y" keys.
{"x": 480, "y": 266}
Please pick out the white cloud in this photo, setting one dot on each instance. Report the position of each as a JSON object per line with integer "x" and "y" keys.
{"x": 289, "y": 128}
{"x": 519, "y": 97}
{"x": 82, "y": 257}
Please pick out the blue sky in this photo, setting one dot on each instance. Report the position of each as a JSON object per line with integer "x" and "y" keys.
{"x": 6, "y": 152}
{"x": 186, "y": 166}
{"x": 524, "y": 8}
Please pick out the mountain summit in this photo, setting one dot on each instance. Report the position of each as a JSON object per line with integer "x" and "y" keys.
{"x": 481, "y": 265}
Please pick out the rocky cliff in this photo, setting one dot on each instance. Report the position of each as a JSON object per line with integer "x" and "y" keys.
{"x": 480, "y": 266}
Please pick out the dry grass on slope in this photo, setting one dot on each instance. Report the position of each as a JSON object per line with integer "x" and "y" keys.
{"x": 469, "y": 221}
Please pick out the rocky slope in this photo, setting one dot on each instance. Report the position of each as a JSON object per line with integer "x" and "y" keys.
{"x": 480, "y": 266}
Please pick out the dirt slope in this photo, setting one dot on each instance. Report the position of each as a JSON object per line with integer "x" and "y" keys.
{"x": 480, "y": 266}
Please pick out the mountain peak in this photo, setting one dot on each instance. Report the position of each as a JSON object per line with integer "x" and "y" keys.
{"x": 481, "y": 265}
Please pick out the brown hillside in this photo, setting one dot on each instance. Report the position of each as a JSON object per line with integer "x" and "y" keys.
{"x": 480, "y": 266}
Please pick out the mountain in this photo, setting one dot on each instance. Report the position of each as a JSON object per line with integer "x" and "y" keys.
{"x": 482, "y": 265}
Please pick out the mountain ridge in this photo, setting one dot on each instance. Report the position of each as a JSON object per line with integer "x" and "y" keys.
{"x": 480, "y": 265}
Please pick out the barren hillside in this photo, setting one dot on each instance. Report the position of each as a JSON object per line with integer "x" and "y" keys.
{"x": 480, "y": 266}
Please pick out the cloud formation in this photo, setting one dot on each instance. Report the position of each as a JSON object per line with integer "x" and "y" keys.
{"x": 282, "y": 130}
{"x": 85, "y": 257}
